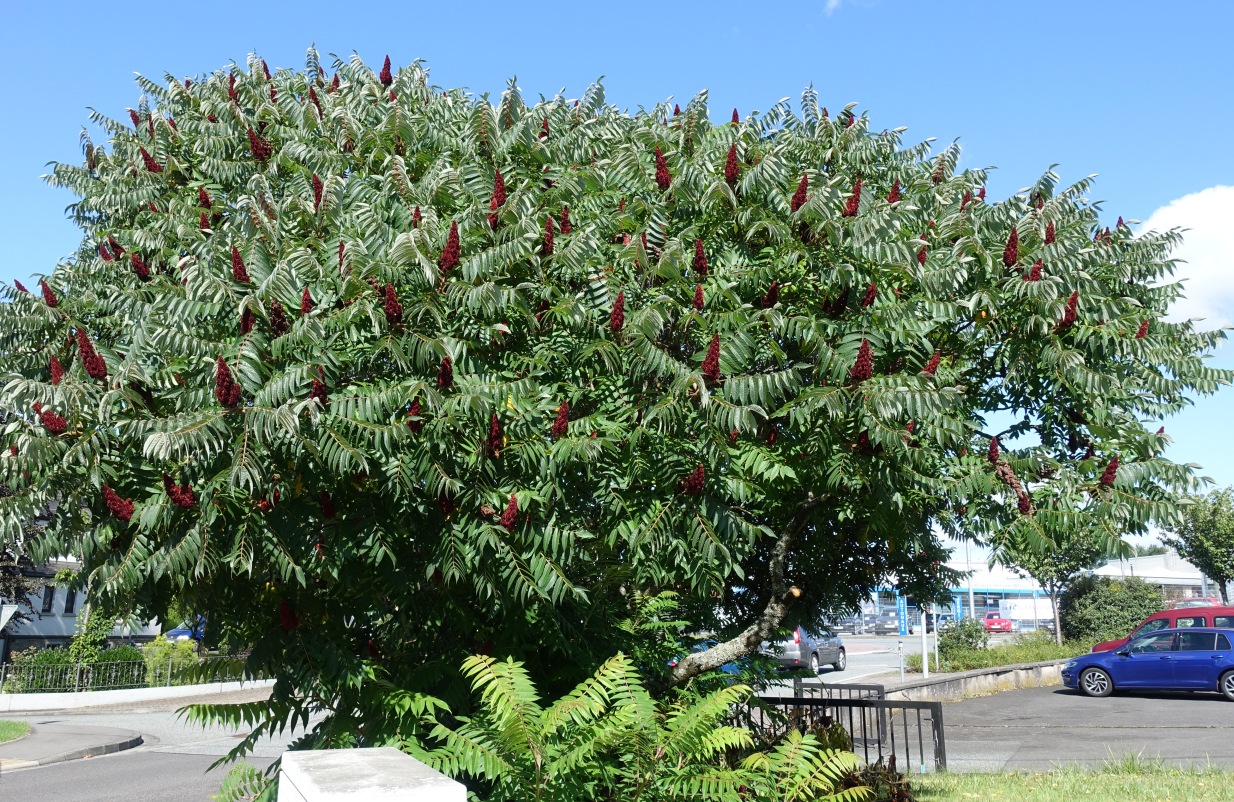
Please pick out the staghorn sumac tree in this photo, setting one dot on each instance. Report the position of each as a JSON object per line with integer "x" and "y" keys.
{"x": 495, "y": 423}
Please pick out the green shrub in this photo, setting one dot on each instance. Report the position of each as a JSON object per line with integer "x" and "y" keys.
{"x": 1031, "y": 647}
{"x": 163, "y": 656}
{"x": 1102, "y": 608}
{"x": 964, "y": 635}
{"x": 38, "y": 669}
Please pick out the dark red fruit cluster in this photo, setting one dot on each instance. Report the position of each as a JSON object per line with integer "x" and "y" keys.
{"x": 1011, "y": 251}
{"x": 1034, "y": 273}
{"x": 135, "y": 118}
{"x": 1110, "y": 472}
{"x": 894, "y": 195}
{"x": 800, "y": 197}
{"x": 226, "y": 390}
{"x": 450, "y": 254}
{"x": 731, "y": 169}
{"x": 932, "y": 366}
{"x": 416, "y": 217}
{"x": 565, "y": 220}
{"x": 871, "y": 294}
{"x": 104, "y": 254}
{"x": 863, "y": 366}
{"x": 663, "y": 179}
{"x": 316, "y": 101}
{"x": 49, "y": 295}
{"x": 306, "y": 302}
{"x": 548, "y": 237}
{"x": 259, "y": 146}
{"x": 50, "y": 420}
{"x": 57, "y": 370}
{"x": 773, "y": 295}
{"x": 246, "y": 321}
{"x": 122, "y": 508}
{"x": 1070, "y": 313}
{"x": 617, "y": 318}
{"x": 394, "y": 310}
{"x": 320, "y": 393}
{"x": 854, "y": 200}
{"x": 992, "y": 454}
{"x": 446, "y": 503}
{"x": 317, "y": 190}
{"x": 922, "y": 255}
{"x": 238, "y": 271}
{"x": 416, "y": 426}
{"x": 279, "y": 325}
{"x": 711, "y": 362}
{"x": 445, "y": 374}
{"x": 695, "y": 483}
{"x": 140, "y": 268}
{"x": 1049, "y": 233}
{"x": 562, "y": 423}
{"x": 288, "y": 619}
{"x": 700, "y": 259}
{"x": 698, "y": 297}
{"x": 510, "y": 517}
{"x": 95, "y": 367}
{"x": 231, "y": 89}
{"x": 1143, "y": 331}
{"x": 327, "y": 506}
{"x": 182, "y": 495}
{"x": 386, "y": 77}
{"x": 493, "y": 444}
{"x": 967, "y": 199}
{"x": 151, "y": 165}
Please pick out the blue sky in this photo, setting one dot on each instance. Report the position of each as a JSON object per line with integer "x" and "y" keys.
{"x": 1139, "y": 95}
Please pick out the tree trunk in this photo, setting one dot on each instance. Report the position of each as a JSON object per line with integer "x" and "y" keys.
{"x": 1058, "y": 627}
{"x": 1224, "y": 584}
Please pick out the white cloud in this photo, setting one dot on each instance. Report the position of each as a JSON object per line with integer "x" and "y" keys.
{"x": 1206, "y": 254}
{"x": 832, "y": 5}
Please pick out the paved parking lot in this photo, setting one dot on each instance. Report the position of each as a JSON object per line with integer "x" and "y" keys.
{"x": 1040, "y": 728}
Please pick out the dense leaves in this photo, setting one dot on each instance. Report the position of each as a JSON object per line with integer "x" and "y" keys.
{"x": 290, "y": 489}
{"x": 1205, "y": 536}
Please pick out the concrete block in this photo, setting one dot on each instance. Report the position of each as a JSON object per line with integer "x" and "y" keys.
{"x": 363, "y": 775}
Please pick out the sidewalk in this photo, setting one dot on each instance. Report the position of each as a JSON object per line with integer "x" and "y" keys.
{"x": 57, "y": 741}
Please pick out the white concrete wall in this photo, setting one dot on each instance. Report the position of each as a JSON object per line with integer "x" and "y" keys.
{"x": 363, "y": 775}
{"x": 20, "y": 702}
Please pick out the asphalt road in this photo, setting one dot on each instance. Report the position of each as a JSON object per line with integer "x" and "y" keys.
{"x": 1040, "y": 728}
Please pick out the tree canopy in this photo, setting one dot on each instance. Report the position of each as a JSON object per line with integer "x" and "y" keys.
{"x": 1205, "y": 536}
{"x": 378, "y": 375}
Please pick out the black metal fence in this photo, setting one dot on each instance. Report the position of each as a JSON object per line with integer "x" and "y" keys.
{"x": 903, "y": 733}
{"x": 61, "y": 677}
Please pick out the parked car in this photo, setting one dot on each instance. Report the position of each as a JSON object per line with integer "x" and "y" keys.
{"x": 888, "y": 623}
{"x": 1178, "y": 618}
{"x": 1198, "y": 601}
{"x": 189, "y": 630}
{"x": 994, "y": 622}
{"x": 800, "y": 649}
{"x": 1191, "y": 659}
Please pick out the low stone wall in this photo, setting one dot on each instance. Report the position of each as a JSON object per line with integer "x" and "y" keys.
{"x": 362, "y": 775}
{"x": 30, "y": 702}
{"x": 978, "y": 682}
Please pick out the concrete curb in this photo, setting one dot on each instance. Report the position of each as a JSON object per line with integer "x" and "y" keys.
{"x": 128, "y": 741}
{"x": 979, "y": 681}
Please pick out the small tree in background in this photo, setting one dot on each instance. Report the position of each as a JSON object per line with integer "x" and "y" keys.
{"x": 1097, "y": 608}
{"x": 1205, "y": 537}
{"x": 1057, "y": 564}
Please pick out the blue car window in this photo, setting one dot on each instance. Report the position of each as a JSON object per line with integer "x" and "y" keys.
{"x": 1223, "y": 643}
{"x": 1154, "y": 643}
{"x": 1197, "y": 641}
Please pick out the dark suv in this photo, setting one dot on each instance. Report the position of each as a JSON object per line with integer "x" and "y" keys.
{"x": 800, "y": 649}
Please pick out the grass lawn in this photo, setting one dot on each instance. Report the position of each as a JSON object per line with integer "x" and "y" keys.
{"x": 1115, "y": 783}
{"x": 12, "y": 729}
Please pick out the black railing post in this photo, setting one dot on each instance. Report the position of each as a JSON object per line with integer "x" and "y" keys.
{"x": 940, "y": 743}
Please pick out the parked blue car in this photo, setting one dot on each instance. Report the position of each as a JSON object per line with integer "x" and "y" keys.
{"x": 1193, "y": 659}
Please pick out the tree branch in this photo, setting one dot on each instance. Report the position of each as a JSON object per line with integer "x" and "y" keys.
{"x": 749, "y": 639}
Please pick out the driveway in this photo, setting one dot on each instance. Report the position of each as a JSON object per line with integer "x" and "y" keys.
{"x": 1040, "y": 728}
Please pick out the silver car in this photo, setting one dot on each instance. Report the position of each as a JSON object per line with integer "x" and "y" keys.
{"x": 800, "y": 649}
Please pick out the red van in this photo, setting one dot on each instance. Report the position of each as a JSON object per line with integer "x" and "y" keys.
{"x": 1180, "y": 617}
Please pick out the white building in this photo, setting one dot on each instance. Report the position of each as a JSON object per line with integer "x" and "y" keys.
{"x": 1178, "y": 578}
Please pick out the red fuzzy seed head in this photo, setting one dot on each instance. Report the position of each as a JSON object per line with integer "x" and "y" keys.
{"x": 445, "y": 374}
{"x": 274, "y": 95}
{"x": 394, "y": 310}
{"x": 333, "y": 85}
{"x": 386, "y": 77}
{"x": 327, "y": 506}
{"x": 135, "y": 118}
{"x": 238, "y": 271}
{"x": 800, "y": 197}
{"x": 306, "y": 302}
{"x": 316, "y": 101}
{"x": 1110, "y": 472}
{"x": 967, "y": 199}
{"x": 731, "y": 169}
{"x": 246, "y": 321}
{"x": 121, "y": 508}
{"x": 140, "y": 268}
{"x": 415, "y": 217}
{"x": 279, "y": 324}
{"x": 773, "y": 295}
{"x": 203, "y": 198}
{"x": 57, "y": 370}
{"x": 992, "y": 454}
{"x": 1070, "y": 313}
{"x": 676, "y": 109}
{"x": 493, "y": 444}
{"x": 772, "y": 435}
{"x": 181, "y": 496}
{"x": 151, "y": 165}
{"x": 90, "y": 359}
{"x": 52, "y": 422}
{"x": 700, "y": 259}
{"x": 17, "y": 285}
{"x": 1034, "y": 273}
{"x": 413, "y": 412}
{"x": 104, "y": 254}
{"x": 617, "y": 318}
{"x": 204, "y": 222}
{"x": 320, "y": 393}
{"x": 711, "y": 362}
{"x": 565, "y": 220}
{"x": 446, "y": 503}
{"x": 544, "y": 128}
{"x": 854, "y": 200}
{"x": 1139, "y": 335}
{"x": 231, "y": 88}
{"x": 288, "y": 619}
{"x": 1011, "y": 251}
{"x": 663, "y": 179}
{"x": 1049, "y": 233}
{"x": 49, "y": 295}
{"x": 259, "y": 146}
{"x": 863, "y": 366}
{"x": 732, "y": 437}
{"x": 922, "y": 255}
{"x": 562, "y": 423}
{"x": 695, "y": 483}
{"x": 981, "y": 194}
{"x": 548, "y": 237}
{"x": 736, "y": 117}
{"x": 1024, "y": 504}
{"x": 894, "y": 195}
{"x": 698, "y": 297}
{"x": 393, "y": 97}
{"x": 499, "y": 188}
{"x": 871, "y": 294}
{"x": 225, "y": 388}
{"x": 450, "y": 254}
{"x": 510, "y": 517}
{"x": 317, "y": 189}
